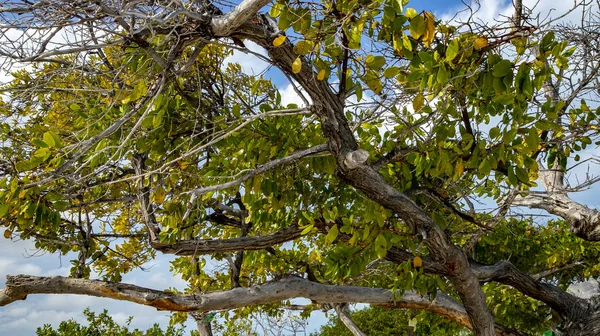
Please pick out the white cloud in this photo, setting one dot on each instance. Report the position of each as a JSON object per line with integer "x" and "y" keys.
{"x": 251, "y": 64}
{"x": 290, "y": 96}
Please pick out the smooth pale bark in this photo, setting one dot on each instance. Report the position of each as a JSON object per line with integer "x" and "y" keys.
{"x": 226, "y": 24}
{"x": 19, "y": 286}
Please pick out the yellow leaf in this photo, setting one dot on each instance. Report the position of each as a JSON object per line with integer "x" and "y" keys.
{"x": 460, "y": 168}
{"x": 429, "y": 29}
{"x": 480, "y": 43}
{"x": 417, "y": 262}
{"x": 321, "y": 74}
{"x": 159, "y": 195}
{"x": 418, "y": 102}
{"x": 279, "y": 41}
{"x": 7, "y": 234}
{"x": 297, "y": 65}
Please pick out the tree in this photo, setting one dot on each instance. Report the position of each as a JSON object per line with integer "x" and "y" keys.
{"x": 130, "y": 134}
{"x": 382, "y": 322}
{"x": 101, "y": 325}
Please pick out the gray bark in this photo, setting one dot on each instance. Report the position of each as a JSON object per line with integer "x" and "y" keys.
{"x": 19, "y": 286}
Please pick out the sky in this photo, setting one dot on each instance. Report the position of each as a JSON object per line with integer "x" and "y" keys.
{"x": 19, "y": 257}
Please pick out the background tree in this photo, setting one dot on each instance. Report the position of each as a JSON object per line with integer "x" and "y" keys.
{"x": 103, "y": 324}
{"x": 130, "y": 134}
{"x": 379, "y": 321}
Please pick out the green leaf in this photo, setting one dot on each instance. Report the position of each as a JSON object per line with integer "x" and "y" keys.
{"x": 332, "y": 234}
{"x": 442, "y": 75}
{"x": 375, "y": 62}
{"x": 418, "y": 102}
{"x": 411, "y": 13}
{"x": 512, "y": 178}
{"x": 522, "y": 175}
{"x": 42, "y": 153}
{"x": 505, "y": 99}
{"x": 39, "y": 143}
{"x": 304, "y": 47}
{"x": 494, "y": 132}
{"x": 307, "y": 229}
{"x": 391, "y": 72}
{"x": 502, "y": 68}
{"x": 546, "y": 43}
{"x": 381, "y": 246}
{"x": 276, "y": 10}
{"x": 4, "y": 209}
{"x": 452, "y": 50}
{"x": 398, "y": 5}
{"x": 373, "y": 82}
{"x": 52, "y": 140}
{"x": 417, "y": 26}
{"x": 406, "y": 42}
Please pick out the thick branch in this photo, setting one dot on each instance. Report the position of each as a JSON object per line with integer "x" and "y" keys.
{"x": 19, "y": 286}
{"x": 584, "y": 221}
{"x": 567, "y": 305}
{"x": 226, "y": 24}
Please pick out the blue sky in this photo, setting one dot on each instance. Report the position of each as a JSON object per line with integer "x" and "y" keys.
{"x": 21, "y": 318}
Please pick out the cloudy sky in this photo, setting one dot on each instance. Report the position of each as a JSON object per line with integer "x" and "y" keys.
{"x": 19, "y": 257}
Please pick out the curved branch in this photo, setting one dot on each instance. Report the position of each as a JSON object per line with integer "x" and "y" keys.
{"x": 19, "y": 286}
{"x": 584, "y": 221}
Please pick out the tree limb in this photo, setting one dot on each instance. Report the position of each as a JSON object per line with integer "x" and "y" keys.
{"x": 226, "y": 24}
{"x": 200, "y": 247}
{"x": 19, "y": 286}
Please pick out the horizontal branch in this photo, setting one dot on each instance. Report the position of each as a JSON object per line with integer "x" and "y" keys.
{"x": 210, "y": 246}
{"x": 19, "y": 286}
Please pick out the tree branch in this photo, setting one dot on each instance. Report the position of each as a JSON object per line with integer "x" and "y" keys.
{"x": 226, "y": 24}
{"x": 261, "y": 169}
{"x": 200, "y": 247}
{"x": 19, "y": 286}
{"x": 344, "y": 315}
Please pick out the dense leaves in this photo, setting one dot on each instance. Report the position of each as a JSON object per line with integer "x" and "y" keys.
{"x": 378, "y": 321}
{"x": 157, "y": 140}
{"x": 103, "y": 325}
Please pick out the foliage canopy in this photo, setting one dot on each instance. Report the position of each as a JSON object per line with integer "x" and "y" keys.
{"x": 132, "y": 133}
